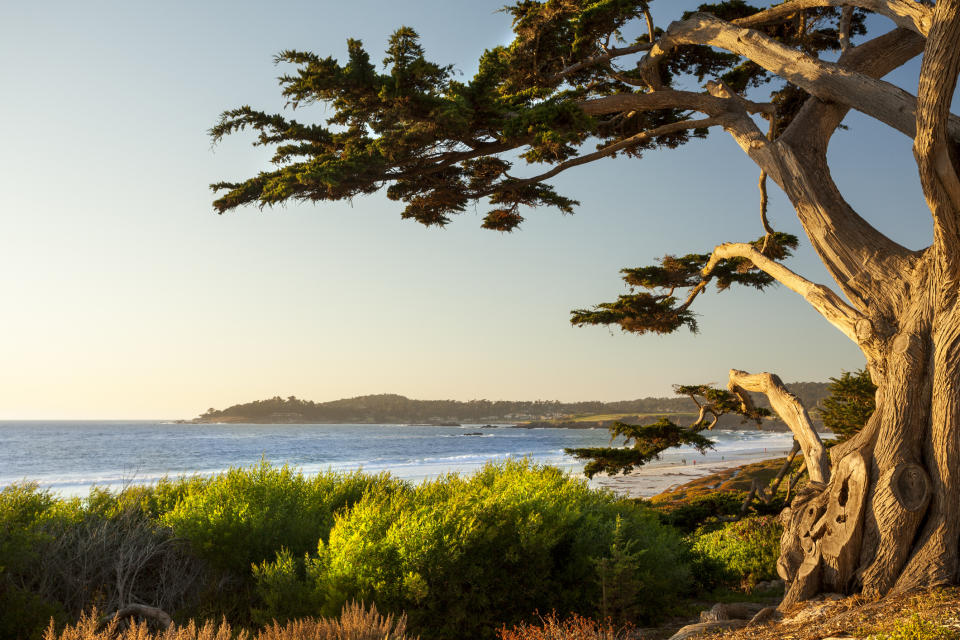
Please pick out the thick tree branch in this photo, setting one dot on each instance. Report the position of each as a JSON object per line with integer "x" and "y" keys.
{"x": 825, "y": 301}
{"x": 669, "y": 99}
{"x": 866, "y": 263}
{"x": 791, "y": 411}
{"x": 846, "y": 17}
{"x": 908, "y": 14}
{"x": 825, "y": 80}
{"x": 607, "y": 56}
{"x": 718, "y": 102}
{"x": 626, "y": 143}
{"x": 932, "y": 145}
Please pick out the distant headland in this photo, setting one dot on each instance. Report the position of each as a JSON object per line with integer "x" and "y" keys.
{"x": 397, "y": 409}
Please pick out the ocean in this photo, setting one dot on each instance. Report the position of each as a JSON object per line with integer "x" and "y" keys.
{"x": 69, "y": 457}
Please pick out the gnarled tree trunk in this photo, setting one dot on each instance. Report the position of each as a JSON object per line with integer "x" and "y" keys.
{"x": 888, "y": 519}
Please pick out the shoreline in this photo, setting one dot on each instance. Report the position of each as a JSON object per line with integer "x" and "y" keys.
{"x": 651, "y": 480}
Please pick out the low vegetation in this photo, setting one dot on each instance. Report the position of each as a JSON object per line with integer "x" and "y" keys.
{"x": 744, "y": 551}
{"x": 461, "y": 556}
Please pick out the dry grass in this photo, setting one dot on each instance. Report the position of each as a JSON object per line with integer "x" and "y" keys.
{"x": 573, "y": 628}
{"x": 356, "y": 622}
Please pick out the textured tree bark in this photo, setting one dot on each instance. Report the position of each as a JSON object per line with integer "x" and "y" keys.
{"x": 889, "y": 518}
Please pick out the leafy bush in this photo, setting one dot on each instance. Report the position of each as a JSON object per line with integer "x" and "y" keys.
{"x": 58, "y": 557}
{"x": 244, "y": 516}
{"x": 690, "y": 514}
{"x": 463, "y": 555}
{"x": 24, "y": 512}
{"x": 743, "y": 552}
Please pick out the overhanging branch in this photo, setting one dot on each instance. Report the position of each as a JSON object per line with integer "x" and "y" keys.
{"x": 822, "y": 298}
{"x": 605, "y": 57}
{"x": 904, "y": 13}
{"x": 669, "y": 99}
{"x": 626, "y": 143}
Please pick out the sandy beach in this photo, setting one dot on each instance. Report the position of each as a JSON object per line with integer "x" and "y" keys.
{"x": 658, "y": 477}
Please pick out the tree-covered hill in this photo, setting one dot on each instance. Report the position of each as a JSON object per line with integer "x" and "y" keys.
{"x": 397, "y": 409}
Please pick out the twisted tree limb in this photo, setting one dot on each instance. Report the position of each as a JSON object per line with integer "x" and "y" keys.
{"x": 791, "y": 411}
{"x": 822, "y": 298}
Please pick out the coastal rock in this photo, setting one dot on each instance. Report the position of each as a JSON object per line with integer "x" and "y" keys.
{"x": 704, "y": 628}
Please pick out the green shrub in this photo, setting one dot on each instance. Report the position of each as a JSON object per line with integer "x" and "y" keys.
{"x": 59, "y": 557}
{"x": 24, "y": 514}
{"x": 465, "y": 555}
{"x": 690, "y": 514}
{"x": 743, "y": 552}
{"x": 244, "y": 516}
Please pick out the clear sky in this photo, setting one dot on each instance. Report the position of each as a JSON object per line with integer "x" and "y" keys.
{"x": 123, "y": 295}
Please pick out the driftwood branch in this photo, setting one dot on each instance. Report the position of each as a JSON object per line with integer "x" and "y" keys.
{"x": 846, "y": 17}
{"x": 791, "y": 411}
{"x": 782, "y": 473}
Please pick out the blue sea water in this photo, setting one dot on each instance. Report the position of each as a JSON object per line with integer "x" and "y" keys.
{"x": 71, "y": 456}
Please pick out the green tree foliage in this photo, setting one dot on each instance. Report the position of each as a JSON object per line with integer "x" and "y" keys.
{"x": 691, "y": 513}
{"x": 643, "y": 443}
{"x": 437, "y": 143}
{"x": 621, "y": 586}
{"x": 658, "y": 310}
{"x": 850, "y": 404}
